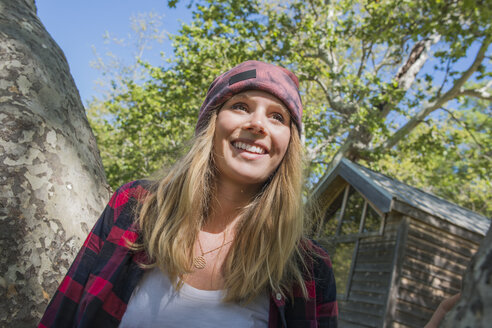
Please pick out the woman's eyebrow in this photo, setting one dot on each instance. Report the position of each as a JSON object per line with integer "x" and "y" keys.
{"x": 248, "y": 97}
{"x": 282, "y": 108}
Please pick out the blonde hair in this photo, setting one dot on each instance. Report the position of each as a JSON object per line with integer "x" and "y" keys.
{"x": 172, "y": 215}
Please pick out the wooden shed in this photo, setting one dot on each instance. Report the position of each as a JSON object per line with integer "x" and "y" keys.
{"x": 396, "y": 250}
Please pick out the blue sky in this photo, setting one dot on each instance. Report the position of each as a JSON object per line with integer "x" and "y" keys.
{"x": 79, "y": 26}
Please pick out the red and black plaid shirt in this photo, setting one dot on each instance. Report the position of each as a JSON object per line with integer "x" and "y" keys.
{"x": 96, "y": 290}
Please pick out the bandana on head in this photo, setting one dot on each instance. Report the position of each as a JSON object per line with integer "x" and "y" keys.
{"x": 254, "y": 75}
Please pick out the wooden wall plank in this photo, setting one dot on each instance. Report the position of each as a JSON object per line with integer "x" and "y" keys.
{"x": 375, "y": 310}
{"x": 379, "y": 245}
{"x": 363, "y": 320}
{"x": 437, "y": 280}
{"x": 371, "y": 276}
{"x": 346, "y": 324}
{"x": 408, "y": 307}
{"x": 376, "y": 252}
{"x": 377, "y": 287}
{"x": 373, "y": 267}
{"x": 432, "y": 269}
{"x": 381, "y": 258}
{"x": 417, "y": 297}
{"x": 436, "y": 222}
{"x": 410, "y": 320}
{"x": 389, "y": 235}
{"x": 438, "y": 260}
{"x": 369, "y": 298}
{"x": 425, "y": 289}
{"x": 436, "y": 250}
{"x": 436, "y": 236}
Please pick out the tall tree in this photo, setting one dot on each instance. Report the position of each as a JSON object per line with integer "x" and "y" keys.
{"x": 53, "y": 185}
{"x": 473, "y": 308}
{"x": 371, "y": 73}
{"x": 370, "y": 68}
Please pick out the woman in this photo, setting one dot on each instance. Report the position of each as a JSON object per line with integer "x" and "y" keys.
{"x": 220, "y": 240}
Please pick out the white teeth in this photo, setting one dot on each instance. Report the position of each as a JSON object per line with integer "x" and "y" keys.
{"x": 250, "y": 148}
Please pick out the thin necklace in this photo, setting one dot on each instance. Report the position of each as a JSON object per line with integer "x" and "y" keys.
{"x": 199, "y": 261}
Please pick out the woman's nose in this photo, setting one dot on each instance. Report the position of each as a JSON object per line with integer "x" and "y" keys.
{"x": 256, "y": 124}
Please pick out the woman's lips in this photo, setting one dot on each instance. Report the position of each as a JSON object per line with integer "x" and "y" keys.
{"x": 250, "y": 147}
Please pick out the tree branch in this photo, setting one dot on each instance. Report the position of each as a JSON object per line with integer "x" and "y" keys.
{"x": 439, "y": 102}
{"x": 328, "y": 58}
{"x": 366, "y": 52}
{"x": 336, "y": 102}
{"x": 406, "y": 74}
{"x": 312, "y": 152}
{"x": 313, "y": 9}
{"x": 465, "y": 126}
{"x": 448, "y": 66}
{"x": 416, "y": 59}
{"x": 482, "y": 93}
{"x": 477, "y": 94}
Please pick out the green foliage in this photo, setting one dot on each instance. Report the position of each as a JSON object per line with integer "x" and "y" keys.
{"x": 342, "y": 259}
{"x": 449, "y": 157}
{"x": 139, "y": 131}
{"x": 364, "y": 72}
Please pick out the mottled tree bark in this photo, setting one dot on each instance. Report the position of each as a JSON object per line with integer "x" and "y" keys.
{"x": 52, "y": 183}
{"x": 474, "y": 309}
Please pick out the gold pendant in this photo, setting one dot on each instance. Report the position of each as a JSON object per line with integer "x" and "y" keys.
{"x": 199, "y": 262}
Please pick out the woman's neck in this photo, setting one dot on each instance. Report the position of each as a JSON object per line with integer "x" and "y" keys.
{"x": 226, "y": 206}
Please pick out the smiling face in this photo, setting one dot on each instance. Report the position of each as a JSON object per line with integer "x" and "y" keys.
{"x": 252, "y": 134}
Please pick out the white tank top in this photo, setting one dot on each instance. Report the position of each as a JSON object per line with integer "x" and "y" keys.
{"x": 155, "y": 303}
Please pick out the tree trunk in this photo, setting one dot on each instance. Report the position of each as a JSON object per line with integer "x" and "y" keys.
{"x": 475, "y": 306}
{"x": 52, "y": 183}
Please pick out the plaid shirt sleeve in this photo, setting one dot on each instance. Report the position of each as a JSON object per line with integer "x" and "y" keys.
{"x": 88, "y": 283}
{"x": 320, "y": 309}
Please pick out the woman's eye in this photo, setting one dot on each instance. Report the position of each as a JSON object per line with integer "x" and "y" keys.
{"x": 240, "y": 106}
{"x": 279, "y": 117}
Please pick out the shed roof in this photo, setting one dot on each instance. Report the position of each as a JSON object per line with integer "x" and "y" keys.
{"x": 381, "y": 190}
